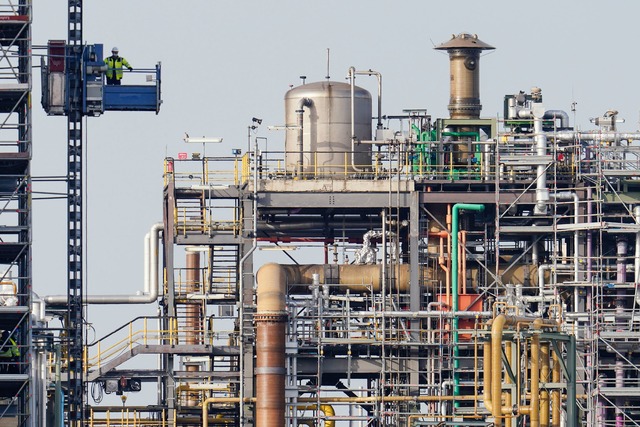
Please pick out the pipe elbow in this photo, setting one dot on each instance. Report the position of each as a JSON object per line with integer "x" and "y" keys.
{"x": 304, "y": 102}
{"x": 271, "y": 282}
{"x": 328, "y": 412}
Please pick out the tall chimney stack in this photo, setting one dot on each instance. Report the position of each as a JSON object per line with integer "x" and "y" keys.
{"x": 464, "y": 55}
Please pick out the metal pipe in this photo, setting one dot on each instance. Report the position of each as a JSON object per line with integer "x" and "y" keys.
{"x": 356, "y": 278}
{"x": 621, "y": 277}
{"x": 544, "y": 378}
{"x": 569, "y": 195}
{"x": 221, "y": 400}
{"x": 558, "y": 114}
{"x": 542, "y": 192}
{"x": 495, "y": 380}
{"x": 542, "y": 268}
{"x": 150, "y": 291}
{"x": 589, "y": 239}
{"x": 508, "y": 399}
{"x": 352, "y": 83}
{"x": 493, "y": 366}
{"x": 534, "y": 404}
{"x": 271, "y": 317}
{"x": 556, "y": 407}
{"x": 304, "y": 102}
{"x": 448, "y": 220}
{"x": 327, "y": 410}
{"x": 444, "y": 267}
{"x": 636, "y": 264}
{"x": 454, "y": 282}
{"x": 352, "y": 79}
{"x": 595, "y": 136}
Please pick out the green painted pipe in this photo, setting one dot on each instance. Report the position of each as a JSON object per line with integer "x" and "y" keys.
{"x": 454, "y": 284}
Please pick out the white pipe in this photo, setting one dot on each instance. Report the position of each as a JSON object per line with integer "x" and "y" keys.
{"x": 352, "y": 82}
{"x": 542, "y": 193}
{"x": 304, "y": 102}
{"x": 541, "y": 270}
{"x": 595, "y": 136}
{"x": 150, "y": 287}
{"x": 569, "y": 195}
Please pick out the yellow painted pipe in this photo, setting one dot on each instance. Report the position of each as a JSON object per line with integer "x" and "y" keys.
{"x": 555, "y": 394}
{"x": 544, "y": 377}
{"x": 205, "y": 406}
{"x": 534, "y": 417}
{"x": 493, "y": 380}
{"x": 508, "y": 398}
{"x": 327, "y": 410}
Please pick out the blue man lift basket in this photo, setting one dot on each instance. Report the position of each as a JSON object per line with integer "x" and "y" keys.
{"x": 97, "y": 97}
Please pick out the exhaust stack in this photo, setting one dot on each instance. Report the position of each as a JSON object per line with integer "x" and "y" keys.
{"x": 464, "y": 55}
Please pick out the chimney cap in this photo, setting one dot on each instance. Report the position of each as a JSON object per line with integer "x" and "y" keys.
{"x": 464, "y": 41}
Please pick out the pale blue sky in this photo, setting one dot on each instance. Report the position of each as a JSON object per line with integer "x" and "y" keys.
{"x": 227, "y": 61}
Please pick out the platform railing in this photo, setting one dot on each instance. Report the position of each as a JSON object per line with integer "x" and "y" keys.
{"x": 127, "y": 417}
{"x": 142, "y": 331}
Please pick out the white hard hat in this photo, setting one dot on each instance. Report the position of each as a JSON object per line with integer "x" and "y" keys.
{"x": 115, "y": 49}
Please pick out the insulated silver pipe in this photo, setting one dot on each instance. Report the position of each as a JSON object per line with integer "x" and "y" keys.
{"x": 541, "y": 271}
{"x": 569, "y": 195}
{"x": 150, "y": 290}
{"x": 594, "y": 135}
{"x": 558, "y": 114}
{"x": 304, "y": 102}
{"x": 542, "y": 193}
{"x": 352, "y": 82}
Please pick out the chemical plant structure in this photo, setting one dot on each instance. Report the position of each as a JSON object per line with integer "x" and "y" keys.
{"x": 465, "y": 270}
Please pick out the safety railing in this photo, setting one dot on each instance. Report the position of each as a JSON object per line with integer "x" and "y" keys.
{"x": 13, "y": 7}
{"x": 127, "y": 417}
{"x": 224, "y": 283}
{"x": 144, "y": 331}
{"x": 205, "y": 173}
{"x": 510, "y": 159}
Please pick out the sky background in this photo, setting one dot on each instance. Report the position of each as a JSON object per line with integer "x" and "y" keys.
{"x": 224, "y": 62}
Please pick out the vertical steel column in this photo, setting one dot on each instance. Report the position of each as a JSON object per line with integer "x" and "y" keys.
{"x": 415, "y": 286}
{"x": 169, "y": 305}
{"x": 75, "y": 270}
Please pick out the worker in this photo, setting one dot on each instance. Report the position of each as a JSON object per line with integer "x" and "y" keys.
{"x": 114, "y": 67}
{"x": 9, "y": 354}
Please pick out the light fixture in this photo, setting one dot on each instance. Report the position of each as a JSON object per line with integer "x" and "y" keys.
{"x": 202, "y": 140}
{"x": 277, "y": 248}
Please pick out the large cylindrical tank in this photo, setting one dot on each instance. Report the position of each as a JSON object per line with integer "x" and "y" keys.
{"x": 326, "y": 129}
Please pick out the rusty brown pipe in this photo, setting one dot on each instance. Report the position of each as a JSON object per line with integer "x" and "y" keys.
{"x": 356, "y": 278}
{"x": 270, "y": 317}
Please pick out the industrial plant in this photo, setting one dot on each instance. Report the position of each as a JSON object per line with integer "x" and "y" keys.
{"x": 442, "y": 271}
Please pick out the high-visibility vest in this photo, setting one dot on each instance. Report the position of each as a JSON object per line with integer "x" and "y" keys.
{"x": 115, "y": 64}
{"x": 12, "y": 351}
